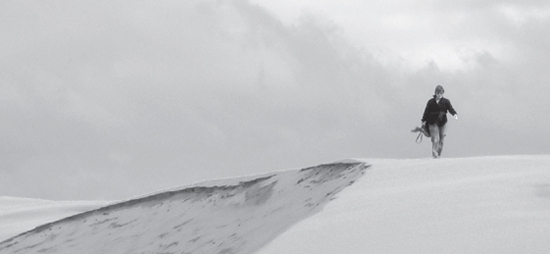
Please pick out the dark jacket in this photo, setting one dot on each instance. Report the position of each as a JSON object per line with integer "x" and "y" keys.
{"x": 436, "y": 113}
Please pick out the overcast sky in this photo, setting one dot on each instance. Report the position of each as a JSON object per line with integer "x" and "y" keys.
{"x": 110, "y": 99}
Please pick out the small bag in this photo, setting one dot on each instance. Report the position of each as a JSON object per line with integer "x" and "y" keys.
{"x": 424, "y": 130}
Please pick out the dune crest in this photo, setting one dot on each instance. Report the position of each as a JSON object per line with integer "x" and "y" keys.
{"x": 234, "y": 218}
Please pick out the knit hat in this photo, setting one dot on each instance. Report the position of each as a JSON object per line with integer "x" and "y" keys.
{"x": 439, "y": 89}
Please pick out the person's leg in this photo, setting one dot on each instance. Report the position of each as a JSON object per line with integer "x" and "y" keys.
{"x": 434, "y": 132}
{"x": 442, "y": 131}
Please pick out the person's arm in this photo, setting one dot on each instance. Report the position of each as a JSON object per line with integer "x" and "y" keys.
{"x": 452, "y": 111}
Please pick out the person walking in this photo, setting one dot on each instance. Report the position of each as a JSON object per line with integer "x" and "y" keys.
{"x": 435, "y": 117}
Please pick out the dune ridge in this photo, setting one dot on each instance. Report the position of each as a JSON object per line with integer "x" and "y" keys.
{"x": 233, "y": 218}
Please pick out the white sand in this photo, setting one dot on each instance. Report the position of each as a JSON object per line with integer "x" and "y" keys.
{"x": 18, "y": 215}
{"x": 471, "y": 205}
{"x": 228, "y": 216}
{"x": 463, "y": 205}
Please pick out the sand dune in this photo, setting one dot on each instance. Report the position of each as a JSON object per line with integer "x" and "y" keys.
{"x": 227, "y": 217}
{"x": 461, "y": 205}
{"x": 485, "y": 205}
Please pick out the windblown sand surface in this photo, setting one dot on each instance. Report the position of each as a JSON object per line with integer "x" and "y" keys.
{"x": 228, "y": 217}
{"x": 488, "y": 205}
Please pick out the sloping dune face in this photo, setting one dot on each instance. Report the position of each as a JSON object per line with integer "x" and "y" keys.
{"x": 224, "y": 219}
{"x": 18, "y": 215}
